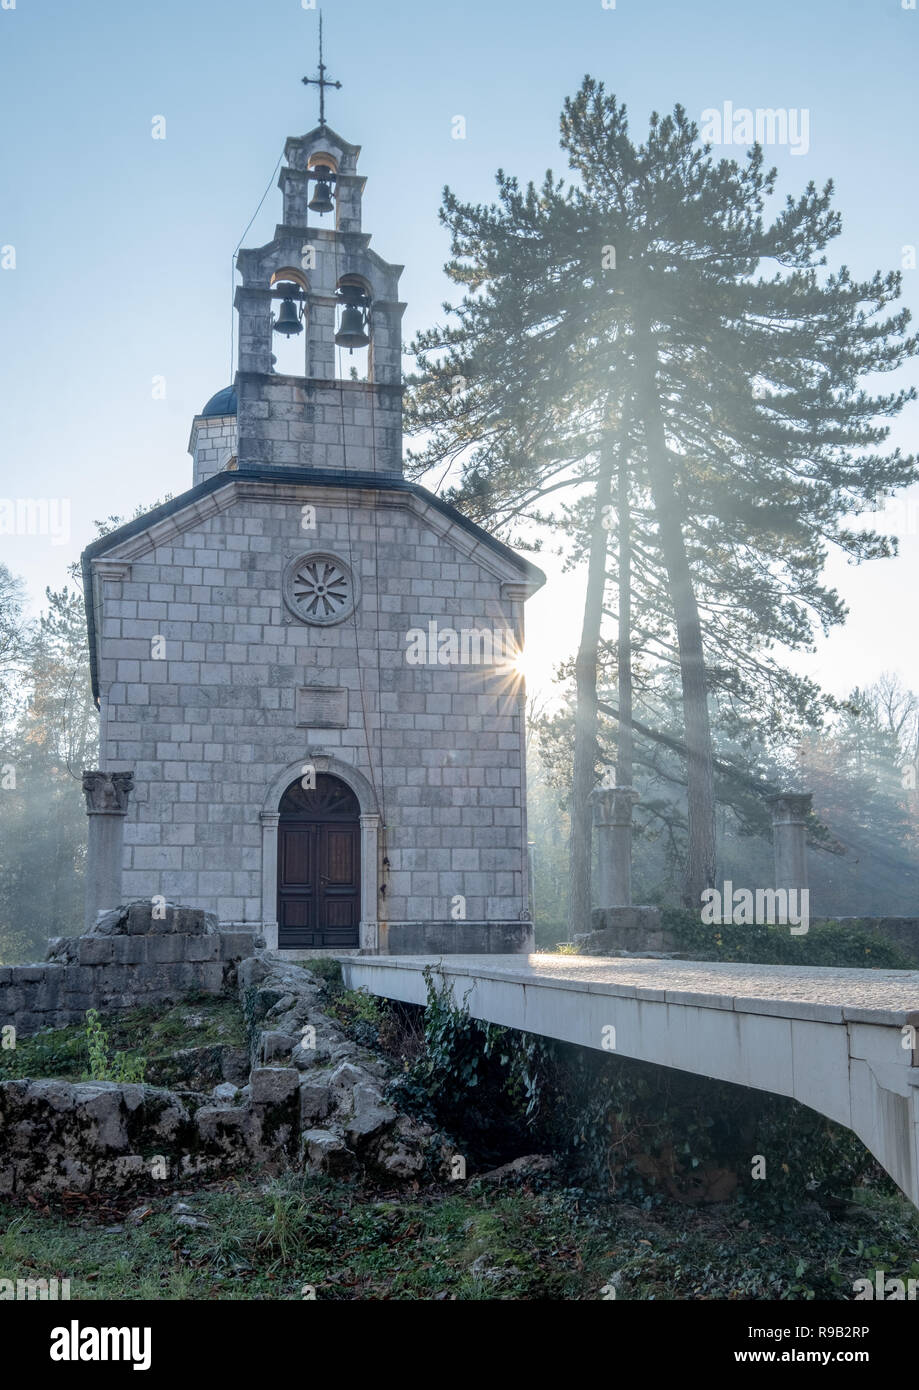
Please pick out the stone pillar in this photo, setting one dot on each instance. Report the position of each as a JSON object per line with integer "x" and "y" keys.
{"x": 348, "y": 190}
{"x": 370, "y": 871}
{"x": 270, "y": 821}
{"x": 790, "y": 811}
{"x": 613, "y": 816}
{"x": 106, "y": 805}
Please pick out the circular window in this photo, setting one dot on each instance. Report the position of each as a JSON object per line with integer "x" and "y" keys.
{"x": 320, "y": 588}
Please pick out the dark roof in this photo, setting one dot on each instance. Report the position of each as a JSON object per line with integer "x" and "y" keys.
{"x": 224, "y": 403}
{"x": 392, "y": 482}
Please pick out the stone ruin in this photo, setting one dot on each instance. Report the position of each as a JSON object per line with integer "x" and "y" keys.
{"x": 312, "y": 1096}
{"x": 134, "y": 955}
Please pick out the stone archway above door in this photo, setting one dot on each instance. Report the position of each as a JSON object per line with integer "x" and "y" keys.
{"x": 369, "y": 820}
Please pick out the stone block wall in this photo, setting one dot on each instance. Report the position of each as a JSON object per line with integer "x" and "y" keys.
{"x": 209, "y": 728}
{"x": 129, "y": 958}
{"x": 457, "y": 938}
{"x": 212, "y": 445}
{"x": 352, "y": 426}
{"x": 633, "y": 929}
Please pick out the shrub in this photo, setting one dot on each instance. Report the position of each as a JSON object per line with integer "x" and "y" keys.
{"x": 122, "y": 1066}
{"x": 361, "y": 1014}
{"x": 626, "y": 1126}
{"x": 647, "y": 1131}
{"x": 826, "y": 943}
{"x": 478, "y": 1082}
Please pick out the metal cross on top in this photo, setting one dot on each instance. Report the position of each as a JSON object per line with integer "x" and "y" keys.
{"x": 321, "y": 81}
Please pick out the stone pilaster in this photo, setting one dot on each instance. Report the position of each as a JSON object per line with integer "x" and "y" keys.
{"x": 370, "y": 850}
{"x": 106, "y": 806}
{"x": 270, "y": 822}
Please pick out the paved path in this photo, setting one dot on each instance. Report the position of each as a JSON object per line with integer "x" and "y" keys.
{"x": 793, "y": 991}
{"x": 839, "y": 1040}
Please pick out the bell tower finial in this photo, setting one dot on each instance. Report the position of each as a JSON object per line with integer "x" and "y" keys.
{"x": 321, "y": 81}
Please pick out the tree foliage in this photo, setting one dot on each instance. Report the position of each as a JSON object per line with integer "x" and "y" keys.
{"x": 672, "y": 295}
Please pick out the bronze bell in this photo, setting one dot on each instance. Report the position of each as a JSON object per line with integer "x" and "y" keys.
{"x": 288, "y": 320}
{"x": 352, "y": 331}
{"x": 321, "y": 200}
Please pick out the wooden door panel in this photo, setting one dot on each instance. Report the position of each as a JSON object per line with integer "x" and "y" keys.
{"x": 318, "y": 884}
{"x": 298, "y": 855}
{"x": 338, "y": 886}
{"x": 337, "y": 855}
{"x": 340, "y": 912}
{"x": 298, "y": 912}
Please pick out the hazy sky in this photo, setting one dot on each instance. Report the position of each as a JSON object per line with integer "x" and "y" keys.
{"x": 123, "y": 243}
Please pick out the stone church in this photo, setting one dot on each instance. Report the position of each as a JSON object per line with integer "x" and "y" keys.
{"x": 311, "y": 719}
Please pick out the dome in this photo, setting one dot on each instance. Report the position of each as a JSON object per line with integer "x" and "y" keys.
{"x": 224, "y": 403}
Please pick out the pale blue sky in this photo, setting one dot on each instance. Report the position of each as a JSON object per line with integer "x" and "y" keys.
{"x": 123, "y": 243}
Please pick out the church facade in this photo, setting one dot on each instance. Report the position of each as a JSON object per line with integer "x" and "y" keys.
{"x": 306, "y": 661}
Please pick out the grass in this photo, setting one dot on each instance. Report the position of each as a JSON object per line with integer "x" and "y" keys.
{"x": 300, "y": 1236}
{"x": 200, "y": 1021}
{"x": 281, "y": 1239}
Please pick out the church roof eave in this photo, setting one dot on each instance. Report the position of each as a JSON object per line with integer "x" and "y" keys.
{"x": 531, "y": 577}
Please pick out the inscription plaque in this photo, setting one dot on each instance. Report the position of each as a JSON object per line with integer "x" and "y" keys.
{"x": 322, "y": 707}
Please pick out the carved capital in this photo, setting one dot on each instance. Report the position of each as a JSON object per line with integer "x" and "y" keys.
{"x": 107, "y": 792}
{"x": 790, "y": 808}
{"x": 613, "y": 805}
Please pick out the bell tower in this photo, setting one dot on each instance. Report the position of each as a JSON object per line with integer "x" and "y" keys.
{"x": 319, "y": 282}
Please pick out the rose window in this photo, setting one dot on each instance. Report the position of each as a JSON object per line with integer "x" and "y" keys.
{"x": 320, "y": 588}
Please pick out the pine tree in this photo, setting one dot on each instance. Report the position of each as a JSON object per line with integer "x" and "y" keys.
{"x": 653, "y": 289}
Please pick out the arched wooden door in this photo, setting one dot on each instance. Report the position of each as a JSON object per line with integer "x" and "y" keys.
{"x": 319, "y": 889}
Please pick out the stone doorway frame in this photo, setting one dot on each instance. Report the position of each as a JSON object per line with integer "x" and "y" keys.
{"x": 270, "y": 818}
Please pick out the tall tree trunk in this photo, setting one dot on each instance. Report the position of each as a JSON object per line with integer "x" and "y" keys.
{"x": 624, "y": 743}
{"x": 700, "y": 787}
{"x": 585, "y": 728}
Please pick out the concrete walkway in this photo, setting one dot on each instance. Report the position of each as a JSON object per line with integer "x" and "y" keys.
{"x": 840, "y": 1040}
